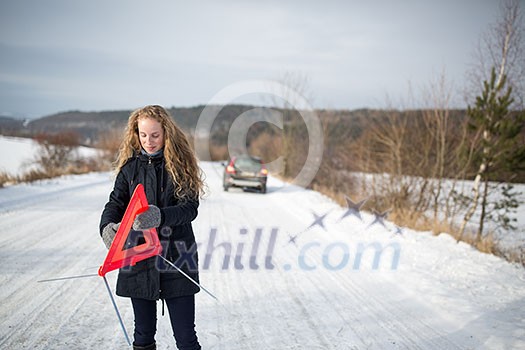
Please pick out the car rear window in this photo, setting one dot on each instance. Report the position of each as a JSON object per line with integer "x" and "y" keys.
{"x": 247, "y": 164}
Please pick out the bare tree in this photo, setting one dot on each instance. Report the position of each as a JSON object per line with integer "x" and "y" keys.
{"x": 109, "y": 142}
{"x": 448, "y": 163}
{"x": 502, "y": 47}
{"x": 417, "y": 159}
{"x": 56, "y": 151}
{"x": 501, "y": 60}
{"x": 294, "y": 85}
{"x": 439, "y": 152}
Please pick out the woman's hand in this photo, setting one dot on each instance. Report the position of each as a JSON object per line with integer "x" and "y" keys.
{"x": 109, "y": 232}
{"x": 149, "y": 219}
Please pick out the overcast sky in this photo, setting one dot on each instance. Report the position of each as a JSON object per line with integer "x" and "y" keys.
{"x": 59, "y": 55}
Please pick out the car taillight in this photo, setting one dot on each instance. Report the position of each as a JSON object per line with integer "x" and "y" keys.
{"x": 230, "y": 169}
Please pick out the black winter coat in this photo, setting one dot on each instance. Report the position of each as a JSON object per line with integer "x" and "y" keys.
{"x": 152, "y": 278}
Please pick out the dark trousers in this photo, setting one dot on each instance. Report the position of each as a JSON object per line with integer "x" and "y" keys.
{"x": 182, "y": 317}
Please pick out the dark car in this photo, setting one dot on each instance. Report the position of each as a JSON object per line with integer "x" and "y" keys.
{"x": 246, "y": 172}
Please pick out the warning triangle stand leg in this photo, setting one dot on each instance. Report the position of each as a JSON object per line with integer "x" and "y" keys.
{"x": 188, "y": 277}
{"x": 116, "y": 310}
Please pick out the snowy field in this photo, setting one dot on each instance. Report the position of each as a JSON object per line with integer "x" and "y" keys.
{"x": 302, "y": 273}
{"x": 18, "y": 154}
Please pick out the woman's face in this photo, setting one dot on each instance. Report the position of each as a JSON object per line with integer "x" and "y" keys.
{"x": 151, "y": 135}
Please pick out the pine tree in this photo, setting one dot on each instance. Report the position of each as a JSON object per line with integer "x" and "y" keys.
{"x": 501, "y": 152}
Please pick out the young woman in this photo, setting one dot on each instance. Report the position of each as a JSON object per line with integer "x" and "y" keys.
{"x": 156, "y": 153}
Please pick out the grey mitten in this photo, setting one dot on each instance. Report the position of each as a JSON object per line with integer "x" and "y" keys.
{"x": 148, "y": 219}
{"x": 109, "y": 232}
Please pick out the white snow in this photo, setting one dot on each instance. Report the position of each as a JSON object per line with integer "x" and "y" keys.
{"x": 323, "y": 292}
{"x": 18, "y": 154}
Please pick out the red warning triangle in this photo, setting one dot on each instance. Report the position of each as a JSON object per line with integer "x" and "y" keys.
{"x": 118, "y": 256}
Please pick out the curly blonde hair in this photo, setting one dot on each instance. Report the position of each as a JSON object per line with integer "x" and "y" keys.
{"x": 180, "y": 161}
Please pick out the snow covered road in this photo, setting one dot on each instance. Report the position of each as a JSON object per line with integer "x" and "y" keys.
{"x": 292, "y": 270}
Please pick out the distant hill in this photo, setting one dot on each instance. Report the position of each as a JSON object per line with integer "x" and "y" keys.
{"x": 10, "y": 126}
{"x": 89, "y": 125}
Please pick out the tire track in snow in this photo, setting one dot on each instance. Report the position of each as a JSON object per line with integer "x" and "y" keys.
{"x": 389, "y": 314}
{"x": 381, "y": 302}
{"x": 246, "y": 218}
{"x": 30, "y": 199}
{"x": 39, "y": 311}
